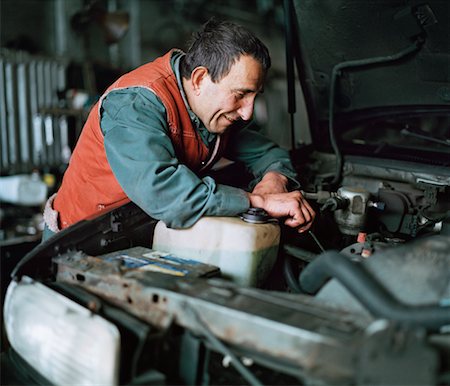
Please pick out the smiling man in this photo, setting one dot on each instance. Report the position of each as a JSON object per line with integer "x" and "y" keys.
{"x": 221, "y": 103}
{"x": 155, "y": 133}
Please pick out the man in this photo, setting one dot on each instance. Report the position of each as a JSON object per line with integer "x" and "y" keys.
{"x": 157, "y": 130}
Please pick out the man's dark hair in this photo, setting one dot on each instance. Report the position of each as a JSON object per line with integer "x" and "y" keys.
{"x": 219, "y": 45}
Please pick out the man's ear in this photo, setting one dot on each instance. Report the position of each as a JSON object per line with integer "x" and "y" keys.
{"x": 198, "y": 75}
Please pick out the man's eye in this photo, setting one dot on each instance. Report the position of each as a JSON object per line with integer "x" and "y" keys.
{"x": 240, "y": 95}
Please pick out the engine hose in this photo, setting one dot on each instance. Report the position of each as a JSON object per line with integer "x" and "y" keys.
{"x": 370, "y": 292}
{"x": 290, "y": 277}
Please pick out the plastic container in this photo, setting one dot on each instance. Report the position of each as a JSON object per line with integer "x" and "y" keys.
{"x": 23, "y": 189}
{"x": 244, "y": 252}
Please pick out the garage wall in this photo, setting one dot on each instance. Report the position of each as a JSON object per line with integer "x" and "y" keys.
{"x": 42, "y": 29}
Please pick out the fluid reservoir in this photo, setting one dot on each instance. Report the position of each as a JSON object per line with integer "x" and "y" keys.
{"x": 244, "y": 252}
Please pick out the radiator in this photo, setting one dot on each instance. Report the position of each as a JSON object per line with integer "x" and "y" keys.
{"x": 33, "y": 129}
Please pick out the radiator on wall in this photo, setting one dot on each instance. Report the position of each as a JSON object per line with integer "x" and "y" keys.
{"x": 34, "y": 131}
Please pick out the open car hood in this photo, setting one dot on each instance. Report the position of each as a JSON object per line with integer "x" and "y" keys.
{"x": 377, "y": 62}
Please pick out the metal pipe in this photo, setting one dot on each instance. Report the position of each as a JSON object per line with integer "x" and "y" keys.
{"x": 35, "y": 122}
{"x": 11, "y": 112}
{"x": 29, "y": 138}
{"x": 23, "y": 114}
{"x": 4, "y": 161}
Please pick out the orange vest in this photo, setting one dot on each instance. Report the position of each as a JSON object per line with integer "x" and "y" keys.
{"x": 89, "y": 184}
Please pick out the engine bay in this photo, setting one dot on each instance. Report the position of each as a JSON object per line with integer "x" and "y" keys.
{"x": 380, "y": 200}
{"x": 369, "y": 281}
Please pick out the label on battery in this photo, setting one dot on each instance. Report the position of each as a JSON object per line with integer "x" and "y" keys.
{"x": 148, "y": 264}
{"x": 145, "y": 259}
{"x": 168, "y": 257}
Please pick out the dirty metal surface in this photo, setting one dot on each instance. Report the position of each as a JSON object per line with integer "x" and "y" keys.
{"x": 319, "y": 340}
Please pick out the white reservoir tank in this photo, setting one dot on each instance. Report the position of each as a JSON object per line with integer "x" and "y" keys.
{"x": 244, "y": 252}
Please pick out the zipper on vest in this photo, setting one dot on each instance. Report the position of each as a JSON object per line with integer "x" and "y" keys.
{"x": 206, "y": 164}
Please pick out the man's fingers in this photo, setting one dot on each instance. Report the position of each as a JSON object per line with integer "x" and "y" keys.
{"x": 292, "y": 205}
{"x": 300, "y": 225}
{"x": 304, "y": 228}
{"x": 308, "y": 213}
{"x": 303, "y": 216}
{"x": 292, "y": 222}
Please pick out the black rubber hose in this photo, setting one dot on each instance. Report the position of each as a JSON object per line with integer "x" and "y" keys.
{"x": 370, "y": 292}
{"x": 290, "y": 277}
{"x": 336, "y": 72}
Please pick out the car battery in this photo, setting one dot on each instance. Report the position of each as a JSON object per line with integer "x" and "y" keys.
{"x": 146, "y": 259}
{"x": 140, "y": 280}
{"x": 136, "y": 260}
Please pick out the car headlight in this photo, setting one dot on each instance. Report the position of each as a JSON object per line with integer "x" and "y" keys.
{"x": 62, "y": 340}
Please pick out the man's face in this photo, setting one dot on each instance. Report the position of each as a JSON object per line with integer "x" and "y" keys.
{"x": 221, "y": 104}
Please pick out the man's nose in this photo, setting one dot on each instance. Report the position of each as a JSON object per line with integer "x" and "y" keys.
{"x": 245, "y": 111}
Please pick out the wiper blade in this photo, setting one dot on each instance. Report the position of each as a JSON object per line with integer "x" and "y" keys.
{"x": 409, "y": 133}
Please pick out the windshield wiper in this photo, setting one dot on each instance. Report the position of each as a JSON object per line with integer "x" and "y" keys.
{"x": 409, "y": 133}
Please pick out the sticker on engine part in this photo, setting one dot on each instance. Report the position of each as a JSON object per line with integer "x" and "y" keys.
{"x": 129, "y": 261}
{"x": 147, "y": 264}
{"x": 170, "y": 258}
{"x": 146, "y": 259}
{"x": 166, "y": 270}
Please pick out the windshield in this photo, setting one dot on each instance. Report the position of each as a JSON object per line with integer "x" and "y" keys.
{"x": 422, "y": 136}
{"x": 418, "y": 133}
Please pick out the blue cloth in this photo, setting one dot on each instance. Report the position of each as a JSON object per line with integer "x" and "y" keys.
{"x": 46, "y": 233}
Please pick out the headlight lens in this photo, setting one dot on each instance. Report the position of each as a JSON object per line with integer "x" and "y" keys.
{"x": 62, "y": 340}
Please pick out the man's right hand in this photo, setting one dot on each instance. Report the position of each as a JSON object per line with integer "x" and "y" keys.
{"x": 292, "y": 205}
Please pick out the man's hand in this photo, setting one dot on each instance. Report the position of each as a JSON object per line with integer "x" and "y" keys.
{"x": 271, "y": 183}
{"x": 292, "y": 205}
